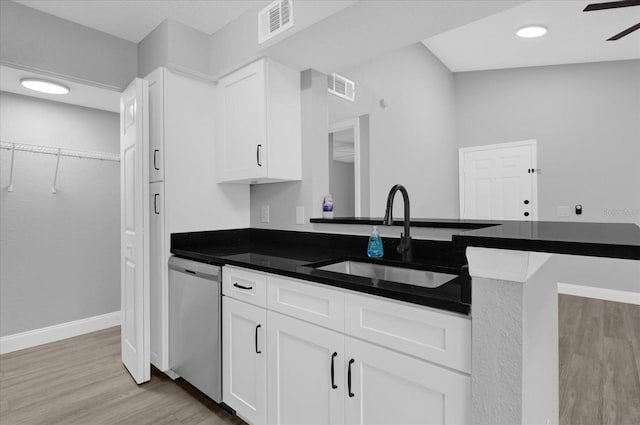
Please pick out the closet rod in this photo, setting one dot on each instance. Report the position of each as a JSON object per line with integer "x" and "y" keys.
{"x": 50, "y": 150}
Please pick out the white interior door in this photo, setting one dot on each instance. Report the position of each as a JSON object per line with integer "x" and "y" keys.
{"x": 134, "y": 225}
{"x": 499, "y": 182}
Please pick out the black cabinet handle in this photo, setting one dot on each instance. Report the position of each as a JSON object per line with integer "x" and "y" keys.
{"x": 248, "y": 288}
{"x": 258, "y": 155}
{"x": 257, "y": 351}
{"x": 333, "y": 382}
{"x": 155, "y": 151}
{"x": 526, "y": 202}
{"x": 349, "y": 378}
{"x": 526, "y": 214}
{"x": 155, "y": 203}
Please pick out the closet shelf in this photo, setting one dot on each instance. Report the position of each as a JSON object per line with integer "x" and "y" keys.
{"x": 51, "y": 150}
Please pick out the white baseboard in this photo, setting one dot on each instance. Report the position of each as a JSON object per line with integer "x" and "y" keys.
{"x": 53, "y": 333}
{"x": 599, "y": 293}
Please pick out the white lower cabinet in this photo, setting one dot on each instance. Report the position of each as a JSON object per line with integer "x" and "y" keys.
{"x": 305, "y": 372}
{"x": 392, "y": 388}
{"x": 244, "y": 359}
{"x": 279, "y": 369}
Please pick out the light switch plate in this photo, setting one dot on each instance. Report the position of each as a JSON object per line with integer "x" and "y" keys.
{"x": 564, "y": 211}
{"x": 264, "y": 213}
{"x": 299, "y": 215}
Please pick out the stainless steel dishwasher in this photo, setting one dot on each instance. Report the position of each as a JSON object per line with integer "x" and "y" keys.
{"x": 195, "y": 324}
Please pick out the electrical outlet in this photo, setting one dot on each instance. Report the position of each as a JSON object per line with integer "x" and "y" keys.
{"x": 264, "y": 213}
{"x": 299, "y": 215}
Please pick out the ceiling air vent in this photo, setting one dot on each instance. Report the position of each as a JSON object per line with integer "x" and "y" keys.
{"x": 342, "y": 87}
{"x": 274, "y": 19}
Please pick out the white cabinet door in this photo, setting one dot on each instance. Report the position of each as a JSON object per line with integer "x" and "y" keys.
{"x": 134, "y": 229}
{"x": 242, "y": 112}
{"x": 156, "y": 124}
{"x": 387, "y": 387}
{"x": 305, "y": 372}
{"x": 158, "y": 288}
{"x": 244, "y": 359}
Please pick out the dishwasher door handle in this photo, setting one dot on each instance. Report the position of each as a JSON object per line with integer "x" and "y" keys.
{"x": 257, "y": 351}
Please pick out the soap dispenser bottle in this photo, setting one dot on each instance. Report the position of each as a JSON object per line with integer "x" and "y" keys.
{"x": 374, "y": 249}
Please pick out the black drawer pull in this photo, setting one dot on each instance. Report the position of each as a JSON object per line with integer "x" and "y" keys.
{"x": 258, "y": 155}
{"x": 155, "y": 203}
{"x": 155, "y": 151}
{"x": 189, "y": 271}
{"x": 248, "y": 288}
{"x": 349, "y": 378}
{"x": 257, "y": 351}
{"x": 333, "y": 382}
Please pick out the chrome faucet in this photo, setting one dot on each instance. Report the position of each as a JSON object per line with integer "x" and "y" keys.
{"x": 404, "y": 248}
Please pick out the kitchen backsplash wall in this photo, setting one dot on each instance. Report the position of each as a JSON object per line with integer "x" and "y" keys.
{"x": 59, "y": 254}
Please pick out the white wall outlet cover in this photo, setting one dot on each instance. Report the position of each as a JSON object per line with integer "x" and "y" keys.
{"x": 564, "y": 211}
{"x": 299, "y": 215}
{"x": 264, "y": 214}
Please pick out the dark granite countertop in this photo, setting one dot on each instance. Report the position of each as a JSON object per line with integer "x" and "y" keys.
{"x": 290, "y": 254}
{"x": 614, "y": 240}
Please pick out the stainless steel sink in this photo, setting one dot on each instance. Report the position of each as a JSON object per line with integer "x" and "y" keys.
{"x": 424, "y": 278}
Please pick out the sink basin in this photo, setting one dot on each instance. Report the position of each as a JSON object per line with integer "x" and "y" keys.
{"x": 424, "y": 278}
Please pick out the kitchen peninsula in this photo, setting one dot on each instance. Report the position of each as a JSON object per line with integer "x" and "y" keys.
{"x": 514, "y": 332}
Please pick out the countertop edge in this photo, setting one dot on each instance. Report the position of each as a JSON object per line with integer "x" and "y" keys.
{"x": 437, "y": 303}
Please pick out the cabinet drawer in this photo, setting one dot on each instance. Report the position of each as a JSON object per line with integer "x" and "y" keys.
{"x": 438, "y": 337}
{"x": 306, "y": 301}
{"x": 245, "y": 285}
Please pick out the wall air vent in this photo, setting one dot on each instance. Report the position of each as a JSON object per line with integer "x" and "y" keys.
{"x": 274, "y": 19}
{"x": 342, "y": 87}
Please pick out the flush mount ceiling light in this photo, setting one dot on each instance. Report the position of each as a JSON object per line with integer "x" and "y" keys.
{"x": 531, "y": 31}
{"x": 44, "y": 86}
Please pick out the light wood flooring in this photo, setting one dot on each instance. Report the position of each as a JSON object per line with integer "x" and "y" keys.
{"x": 599, "y": 361}
{"x": 82, "y": 381}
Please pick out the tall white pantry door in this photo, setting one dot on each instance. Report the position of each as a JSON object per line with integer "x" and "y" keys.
{"x": 134, "y": 225}
{"x": 499, "y": 182}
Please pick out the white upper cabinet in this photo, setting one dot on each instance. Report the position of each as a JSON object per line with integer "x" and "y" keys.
{"x": 258, "y": 116}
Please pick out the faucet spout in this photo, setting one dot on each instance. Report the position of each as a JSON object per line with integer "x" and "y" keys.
{"x": 404, "y": 248}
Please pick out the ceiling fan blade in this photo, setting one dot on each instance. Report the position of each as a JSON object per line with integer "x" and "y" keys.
{"x": 624, "y": 33}
{"x": 611, "y": 5}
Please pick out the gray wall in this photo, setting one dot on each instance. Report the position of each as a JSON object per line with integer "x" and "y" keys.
{"x": 586, "y": 119}
{"x": 153, "y": 50}
{"x": 59, "y": 254}
{"x": 342, "y": 188}
{"x": 172, "y": 44}
{"x": 412, "y": 138}
{"x": 37, "y": 40}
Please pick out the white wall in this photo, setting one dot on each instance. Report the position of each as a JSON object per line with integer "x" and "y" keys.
{"x": 34, "y": 39}
{"x": 586, "y": 119}
{"x": 59, "y": 254}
